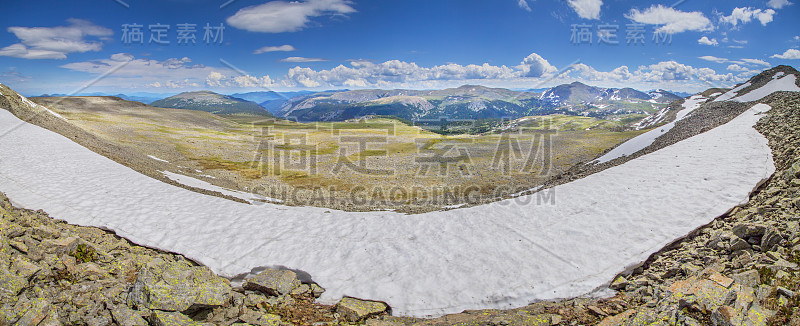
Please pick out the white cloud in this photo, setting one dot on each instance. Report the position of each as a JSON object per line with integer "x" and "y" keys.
{"x": 282, "y": 16}
{"x": 713, "y": 59}
{"x": 745, "y": 61}
{"x": 588, "y": 9}
{"x": 302, "y": 59}
{"x": 778, "y": 4}
{"x": 524, "y": 5}
{"x": 55, "y": 42}
{"x": 673, "y": 71}
{"x": 534, "y": 70}
{"x": 757, "y": 62}
{"x": 706, "y": 41}
{"x": 735, "y": 67}
{"x": 587, "y": 72}
{"x": 535, "y": 66}
{"x": 790, "y": 54}
{"x": 746, "y": 15}
{"x": 169, "y": 73}
{"x": 671, "y": 20}
{"x": 282, "y": 48}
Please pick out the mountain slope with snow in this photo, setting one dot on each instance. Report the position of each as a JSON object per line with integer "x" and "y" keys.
{"x": 562, "y": 242}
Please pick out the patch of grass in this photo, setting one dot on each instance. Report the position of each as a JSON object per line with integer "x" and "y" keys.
{"x": 84, "y": 253}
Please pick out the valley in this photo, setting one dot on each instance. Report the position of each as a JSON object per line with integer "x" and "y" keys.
{"x": 385, "y": 162}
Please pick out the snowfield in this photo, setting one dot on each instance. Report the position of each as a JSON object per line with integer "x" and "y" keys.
{"x": 787, "y": 83}
{"x": 499, "y": 255}
{"x": 641, "y": 142}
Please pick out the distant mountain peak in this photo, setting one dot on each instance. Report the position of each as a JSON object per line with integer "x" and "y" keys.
{"x": 213, "y": 102}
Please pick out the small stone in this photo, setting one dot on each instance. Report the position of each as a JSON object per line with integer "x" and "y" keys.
{"x": 355, "y": 310}
{"x": 273, "y": 282}
{"x": 737, "y": 244}
{"x": 749, "y": 278}
{"x": 597, "y": 311}
{"x": 690, "y": 269}
{"x": 20, "y": 246}
{"x": 617, "y": 319}
{"x": 24, "y": 268}
{"x": 723, "y": 316}
{"x": 176, "y": 286}
{"x": 770, "y": 239}
{"x": 745, "y": 231}
{"x": 758, "y": 316}
{"x": 10, "y": 284}
{"x": 91, "y": 271}
{"x": 60, "y": 245}
{"x": 782, "y": 264}
{"x": 619, "y": 283}
{"x": 164, "y": 318}
{"x": 317, "y": 290}
{"x": 301, "y": 289}
{"x": 785, "y": 292}
{"x": 720, "y": 279}
{"x": 44, "y": 232}
{"x": 124, "y": 316}
{"x": 38, "y": 312}
{"x": 260, "y": 319}
{"x": 253, "y": 300}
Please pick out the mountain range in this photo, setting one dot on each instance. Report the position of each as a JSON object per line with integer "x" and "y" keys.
{"x": 211, "y": 102}
{"x": 474, "y": 102}
{"x": 465, "y": 102}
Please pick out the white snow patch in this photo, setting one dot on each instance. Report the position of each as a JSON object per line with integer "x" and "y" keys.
{"x": 192, "y": 182}
{"x": 499, "y": 255}
{"x": 689, "y": 105}
{"x": 641, "y": 142}
{"x": 32, "y": 105}
{"x": 778, "y": 75}
{"x": 787, "y": 83}
{"x": 732, "y": 93}
{"x": 157, "y": 159}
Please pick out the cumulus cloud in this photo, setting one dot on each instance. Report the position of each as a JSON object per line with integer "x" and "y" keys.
{"x": 746, "y": 15}
{"x": 282, "y": 16}
{"x": 524, "y": 5}
{"x": 535, "y": 66}
{"x": 302, "y": 59}
{"x": 181, "y": 73}
{"x": 790, "y": 54}
{"x": 706, "y": 41}
{"x": 588, "y": 9}
{"x": 674, "y": 71}
{"x": 395, "y": 72}
{"x": 587, "y": 72}
{"x": 713, "y": 59}
{"x": 282, "y": 48}
{"x": 671, "y": 20}
{"x": 735, "y": 67}
{"x": 55, "y": 42}
{"x": 778, "y": 4}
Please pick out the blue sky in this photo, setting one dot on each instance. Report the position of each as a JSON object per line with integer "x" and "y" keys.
{"x": 62, "y": 46}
